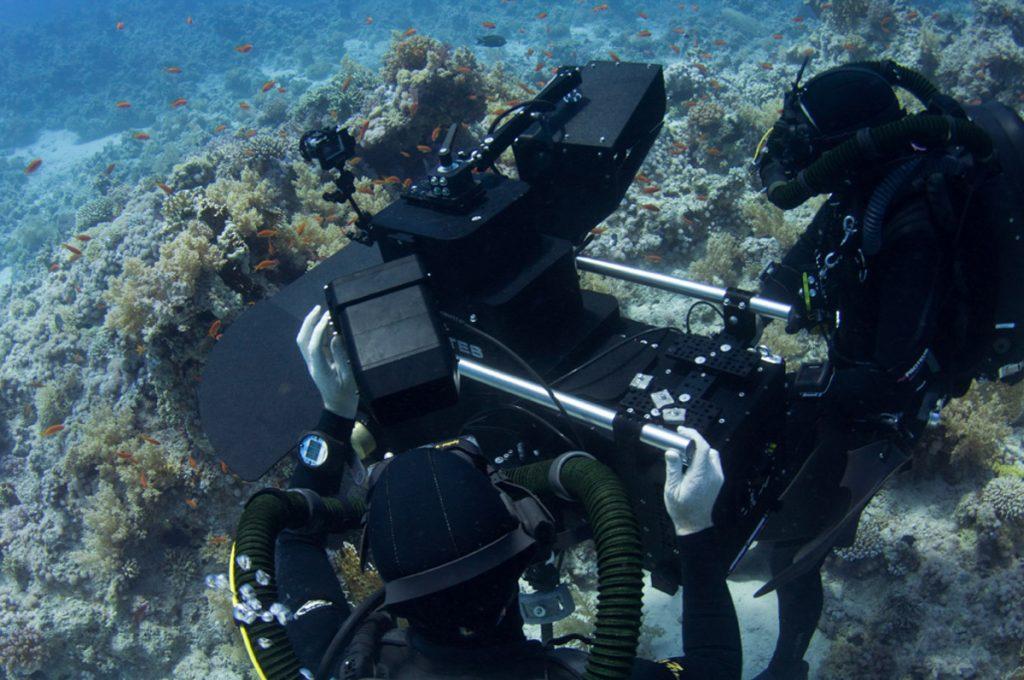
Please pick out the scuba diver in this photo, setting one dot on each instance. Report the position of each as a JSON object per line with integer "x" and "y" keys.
{"x": 882, "y": 273}
{"x": 450, "y": 539}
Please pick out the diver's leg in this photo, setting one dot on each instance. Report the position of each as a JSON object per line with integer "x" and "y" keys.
{"x": 800, "y": 605}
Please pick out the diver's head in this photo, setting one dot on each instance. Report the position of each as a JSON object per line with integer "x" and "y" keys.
{"x": 822, "y": 114}
{"x": 449, "y": 543}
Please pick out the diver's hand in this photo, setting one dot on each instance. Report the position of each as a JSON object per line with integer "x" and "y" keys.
{"x": 690, "y": 495}
{"x": 328, "y": 367}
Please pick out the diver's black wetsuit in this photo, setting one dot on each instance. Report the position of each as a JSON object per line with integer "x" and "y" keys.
{"x": 884, "y": 353}
{"x": 711, "y": 640}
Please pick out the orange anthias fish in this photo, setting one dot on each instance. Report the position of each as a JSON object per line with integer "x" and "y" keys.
{"x": 409, "y": 32}
{"x": 244, "y": 49}
{"x": 346, "y": 84}
{"x": 188, "y": 21}
{"x": 119, "y": 25}
{"x": 601, "y": 8}
{"x": 642, "y": 15}
{"x": 179, "y": 102}
{"x": 192, "y": 503}
{"x": 52, "y": 430}
{"x": 164, "y": 188}
{"x": 644, "y": 33}
{"x": 368, "y": 20}
{"x": 141, "y": 136}
{"x": 149, "y": 440}
{"x": 84, "y": 238}
{"x": 267, "y": 233}
{"x": 244, "y": 106}
{"x": 265, "y": 264}
{"x": 463, "y": 69}
{"x": 423, "y": 148}
{"x": 614, "y": 56}
{"x": 220, "y": 128}
{"x": 173, "y": 69}
{"x": 435, "y": 134}
{"x": 542, "y": 15}
{"x": 268, "y": 86}
{"x": 33, "y": 165}
{"x": 488, "y": 24}
{"x": 123, "y": 105}
{"x": 73, "y": 250}
{"x": 650, "y": 206}
{"x": 110, "y": 168}
{"x": 143, "y": 479}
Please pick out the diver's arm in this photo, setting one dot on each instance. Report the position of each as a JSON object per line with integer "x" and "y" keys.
{"x": 711, "y": 638}
{"x": 308, "y": 586}
{"x": 711, "y": 632}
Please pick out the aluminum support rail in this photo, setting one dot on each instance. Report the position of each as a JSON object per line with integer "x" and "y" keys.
{"x": 701, "y": 291}
{"x": 578, "y": 409}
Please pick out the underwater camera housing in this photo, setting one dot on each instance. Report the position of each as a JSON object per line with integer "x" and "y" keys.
{"x": 466, "y": 316}
{"x": 494, "y": 259}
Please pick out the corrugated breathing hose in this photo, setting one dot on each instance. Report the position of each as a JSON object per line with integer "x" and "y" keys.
{"x": 619, "y": 557}
{"x": 266, "y": 514}
{"x": 904, "y": 136}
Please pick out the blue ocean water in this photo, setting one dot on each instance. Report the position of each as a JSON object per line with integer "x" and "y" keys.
{"x": 104, "y": 548}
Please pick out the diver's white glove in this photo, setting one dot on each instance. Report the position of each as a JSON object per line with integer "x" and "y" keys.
{"x": 690, "y": 495}
{"x": 328, "y": 366}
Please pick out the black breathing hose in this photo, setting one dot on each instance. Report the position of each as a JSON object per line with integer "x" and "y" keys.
{"x": 909, "y": 79}
{"x": 266, "y": 514}
{"x": 619, "y": 557}
{"x": 881, "y": 199}
{"x": 904, "y": 136}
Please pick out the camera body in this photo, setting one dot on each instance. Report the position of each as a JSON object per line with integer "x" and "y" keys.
{"x": 482, "y": 266}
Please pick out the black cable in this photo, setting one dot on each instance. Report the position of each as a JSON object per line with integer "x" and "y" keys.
{"x": 344, "y": 635}
{"x": 526, "y": 367}
{"x": 521, "y": 410}
{"x": 530, "y": 102}
{"x": 621, "y": 343}
{"x": 696, "y": 304}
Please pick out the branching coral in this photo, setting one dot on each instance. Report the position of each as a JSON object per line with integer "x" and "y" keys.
{"x": 358, "y": 584}
{"x": 977, "y": 424}
{"x": 337, "y": 99}
{"x": 144, "y": 300}
{"x": 102, "y": 209}
{"x": 722, "y": 261}
{"x": 426, "y": 84}
{"x": 21, "y": 649}
{"x": 1006, "y": 495}
{"x": 249, "y": 201}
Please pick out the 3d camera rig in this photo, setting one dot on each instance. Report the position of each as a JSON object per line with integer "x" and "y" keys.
{"x": 462, "y": 311}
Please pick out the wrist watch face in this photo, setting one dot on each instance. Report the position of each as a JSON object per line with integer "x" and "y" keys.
{"x": 313, "y": 450}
